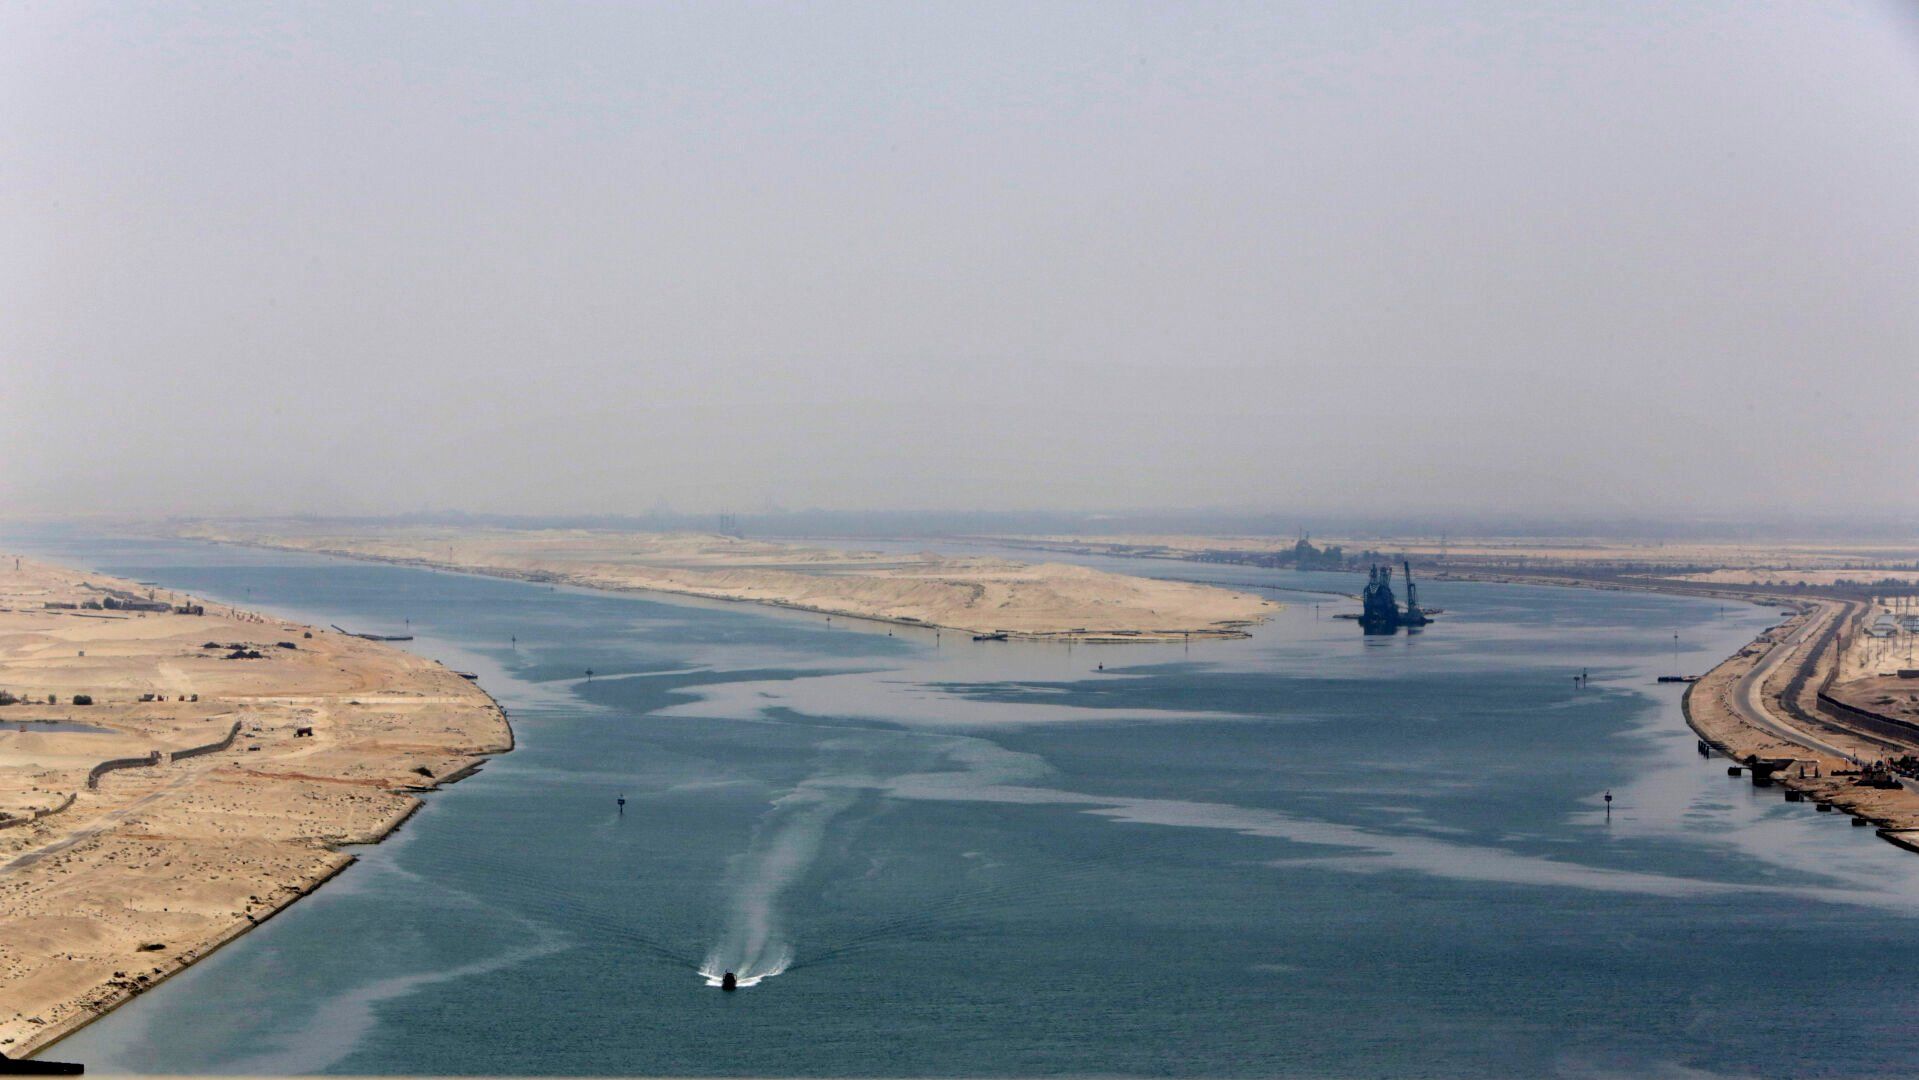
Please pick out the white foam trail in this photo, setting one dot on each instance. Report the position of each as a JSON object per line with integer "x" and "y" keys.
{"x": 754, "y": 945}
{"x": 715, "y": 974}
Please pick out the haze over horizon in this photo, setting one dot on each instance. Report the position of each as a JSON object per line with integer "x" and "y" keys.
{"x": 1611, "y": 259}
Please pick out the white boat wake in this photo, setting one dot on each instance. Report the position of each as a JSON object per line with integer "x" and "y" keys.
{"x": 715, "y": 974}
{"x": 753, "y": 945}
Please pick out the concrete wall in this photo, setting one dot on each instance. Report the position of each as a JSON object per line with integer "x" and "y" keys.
{"x": 212, "y": 747}
{"x": 156, "y": 757}
{"x": 1891, "y": 726}
{"x": 105, "y": 767}
{"x": 39, "y": 814}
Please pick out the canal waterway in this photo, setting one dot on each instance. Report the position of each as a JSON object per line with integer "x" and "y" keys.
{"x": 1305, "y": 853}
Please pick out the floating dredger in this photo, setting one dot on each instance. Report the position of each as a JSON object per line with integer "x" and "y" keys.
{"x": 1380, "y": 612}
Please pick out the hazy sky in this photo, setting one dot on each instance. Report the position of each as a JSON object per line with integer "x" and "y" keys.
{"x": 1624, "y": 257}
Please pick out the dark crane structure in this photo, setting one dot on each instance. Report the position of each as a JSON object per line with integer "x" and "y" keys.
{"x": 1379, "y": 609}
{"x": 1415, "y": 615}
{"x": 1380, "y": 612}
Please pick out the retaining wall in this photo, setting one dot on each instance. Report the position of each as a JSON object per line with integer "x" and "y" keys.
{"x": 1868, "y": 719}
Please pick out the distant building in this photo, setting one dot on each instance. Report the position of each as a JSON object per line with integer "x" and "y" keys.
{"x": 114, "y": 603}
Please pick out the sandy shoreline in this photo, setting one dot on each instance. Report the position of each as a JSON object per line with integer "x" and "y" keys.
{"x": 1764, "y": 702}
{"x": 1830, "y": 698}
{"x": 1792, "y": 701}
{"x": 276, "y": 750}
{"x": 241, "y": 833}
{"x": 979, "y": 596}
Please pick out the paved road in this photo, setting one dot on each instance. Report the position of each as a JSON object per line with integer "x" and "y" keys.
{"x": 101, "y": 824}
{"x": 1748, "y": 696}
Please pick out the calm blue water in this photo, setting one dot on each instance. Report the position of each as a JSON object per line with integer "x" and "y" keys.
{"x": 1303, "y": 854}
{"x": 69, "y": 727}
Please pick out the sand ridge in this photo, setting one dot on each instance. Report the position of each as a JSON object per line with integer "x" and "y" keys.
{"x": 969, "y": 594}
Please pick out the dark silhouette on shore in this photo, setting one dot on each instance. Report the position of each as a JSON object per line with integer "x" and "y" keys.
{"x": 10, "y": 1067}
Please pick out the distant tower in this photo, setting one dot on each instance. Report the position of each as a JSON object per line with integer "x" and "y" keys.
{"x": 1415, "y": 615}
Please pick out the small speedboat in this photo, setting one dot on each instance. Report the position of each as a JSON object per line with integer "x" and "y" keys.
{"x": 729, "y": 982}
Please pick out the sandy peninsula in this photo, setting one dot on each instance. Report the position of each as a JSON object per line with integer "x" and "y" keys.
{"x": 973, "y": 595}
{"x": 254, "y": 748}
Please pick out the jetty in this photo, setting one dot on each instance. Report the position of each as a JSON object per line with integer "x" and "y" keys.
{"x": 372, "y": 637}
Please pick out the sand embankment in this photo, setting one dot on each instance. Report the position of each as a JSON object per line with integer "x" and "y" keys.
{"x": 106, "y": 890}
{"x": 973, "y": 595}
{"x": 1780, "y": 676}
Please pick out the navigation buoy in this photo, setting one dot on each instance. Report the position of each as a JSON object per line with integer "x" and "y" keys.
{"x": 729, "y": 983}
